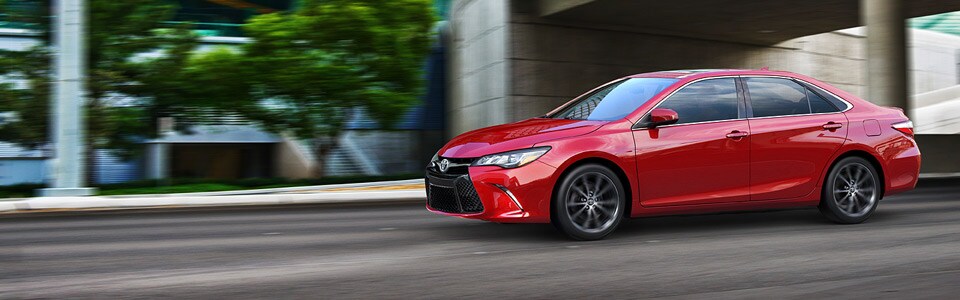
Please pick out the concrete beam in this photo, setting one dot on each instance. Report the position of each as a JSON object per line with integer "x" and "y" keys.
{"x": 886, "y": 52}
{"x": 550, "y": 7}
{"x": 752, "y": 22}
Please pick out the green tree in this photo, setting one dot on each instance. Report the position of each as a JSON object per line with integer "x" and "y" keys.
{"x": 127, "y": 52}
{"x": 310, "y": 69}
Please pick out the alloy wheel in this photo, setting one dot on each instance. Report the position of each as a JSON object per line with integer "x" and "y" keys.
{"x": 855, "y": 190}
{"x": 593, "y": 202}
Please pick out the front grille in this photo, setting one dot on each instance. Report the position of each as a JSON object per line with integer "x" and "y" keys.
{"x": 443, "y": 199}
{"x": 452, "y": 191}
{"x": 469, "y": 200}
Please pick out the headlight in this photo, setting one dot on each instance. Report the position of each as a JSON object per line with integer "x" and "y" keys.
{"x": 512, "y": 159}
{"x": 434, "y": 159}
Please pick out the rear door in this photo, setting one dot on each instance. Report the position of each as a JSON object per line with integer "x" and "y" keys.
{"x": 794, "y": 133}
{"x": 704, "y": 157}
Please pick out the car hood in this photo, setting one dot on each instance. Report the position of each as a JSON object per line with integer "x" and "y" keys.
{"x": 513, "y": 136}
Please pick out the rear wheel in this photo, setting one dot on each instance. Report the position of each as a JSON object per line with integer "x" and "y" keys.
{"x": 851, "y": 192}
{"x": 590, "y": 203}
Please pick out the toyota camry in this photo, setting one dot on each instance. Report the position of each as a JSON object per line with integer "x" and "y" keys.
{"x": 680, "y": 142}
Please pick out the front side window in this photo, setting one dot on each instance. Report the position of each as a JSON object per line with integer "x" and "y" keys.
{"x": 616, "y": 100}
{"x": 705, "y": 101}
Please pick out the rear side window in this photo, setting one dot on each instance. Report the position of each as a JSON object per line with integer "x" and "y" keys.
{"x": 776, "y": 97}
{"x": 704, "y": 101}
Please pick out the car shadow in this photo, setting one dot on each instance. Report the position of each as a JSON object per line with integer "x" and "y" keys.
{"x": 722, "y": 222}
{"x": 713, "y": 224}
{"x": 706, "y": 224}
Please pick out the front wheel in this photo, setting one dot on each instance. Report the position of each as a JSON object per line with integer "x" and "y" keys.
{"x": 851, "y": 192}
{"x": 590, "y": 203}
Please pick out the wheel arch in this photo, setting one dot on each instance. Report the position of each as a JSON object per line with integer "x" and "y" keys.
{"x": 621, "y": 175}
{"x": 872, "y": 159}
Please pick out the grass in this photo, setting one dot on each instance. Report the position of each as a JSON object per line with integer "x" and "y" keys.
{"x": 189, "y": 185}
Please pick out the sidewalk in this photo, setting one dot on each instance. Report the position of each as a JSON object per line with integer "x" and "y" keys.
{"x": 400, "y": 191}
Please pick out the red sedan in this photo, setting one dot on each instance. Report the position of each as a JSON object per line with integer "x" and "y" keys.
{"x": 679, "y": 142}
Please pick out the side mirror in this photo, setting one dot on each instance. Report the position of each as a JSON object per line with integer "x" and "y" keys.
{"x": 659, "y": 117}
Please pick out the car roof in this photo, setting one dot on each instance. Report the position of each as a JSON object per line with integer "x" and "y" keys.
{"x": 700, "y": 73}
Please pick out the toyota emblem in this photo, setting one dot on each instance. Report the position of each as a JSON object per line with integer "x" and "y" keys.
{"x": 444, "y": 165}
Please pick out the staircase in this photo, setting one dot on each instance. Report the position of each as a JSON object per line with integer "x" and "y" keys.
{"x": 349, "y": 159}
{"x": 339, "y": 163}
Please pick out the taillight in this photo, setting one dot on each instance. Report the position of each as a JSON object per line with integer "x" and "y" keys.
{"x": 906, "y": 127}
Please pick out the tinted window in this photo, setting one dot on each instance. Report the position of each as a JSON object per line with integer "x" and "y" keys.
{"x": 818, "y": 104}
{"x": 706, "y": 100}
{"x": 829, "y": 97}
{"x": 776, "y": 97}
{"x": 616, "y": 100}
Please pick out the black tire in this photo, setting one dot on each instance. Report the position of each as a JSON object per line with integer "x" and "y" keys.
{"x": 851, "y": 191}
{"x": 589, "y": 203}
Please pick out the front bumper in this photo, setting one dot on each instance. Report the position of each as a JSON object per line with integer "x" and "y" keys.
{"x": 519, "y": 195}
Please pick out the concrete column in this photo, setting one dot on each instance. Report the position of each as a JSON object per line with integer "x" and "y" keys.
{"x": 157, "y": 166}
{"x": 886, "y": 52}
{"x": 67, "y": 104}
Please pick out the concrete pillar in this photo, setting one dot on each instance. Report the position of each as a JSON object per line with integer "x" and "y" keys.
{"x": 157, "y": 166}
{"x": 886, "y": 52}
{"x": 67, "y": 104}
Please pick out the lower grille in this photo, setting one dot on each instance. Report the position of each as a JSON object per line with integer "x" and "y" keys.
{"x": 452, "y": 194}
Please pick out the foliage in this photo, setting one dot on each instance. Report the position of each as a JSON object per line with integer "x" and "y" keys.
{"x": 119, "y": 34}
{"x": 311, "y": 68}
{"x": 304, "y": 72}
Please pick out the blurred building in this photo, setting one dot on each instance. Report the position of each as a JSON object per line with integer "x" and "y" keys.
{"x": 19, "y": 165}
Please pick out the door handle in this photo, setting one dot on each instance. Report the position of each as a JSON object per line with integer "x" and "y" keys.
{"x": 832, "y": 125}
{"x": 737, "y": 134}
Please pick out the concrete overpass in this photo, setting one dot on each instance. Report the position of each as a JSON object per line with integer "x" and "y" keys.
{"x": 771, "y": 22}
{"x": 757, "y": 22}
{"x": 515, "y": 59}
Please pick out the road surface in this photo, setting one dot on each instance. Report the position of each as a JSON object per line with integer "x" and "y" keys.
{"x": 909, "y": 249}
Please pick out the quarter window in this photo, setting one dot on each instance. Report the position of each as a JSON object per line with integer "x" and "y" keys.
{"x": 818, "y": 104}
{"x": 839, "y": 104}
{"x": 704, "y": 101}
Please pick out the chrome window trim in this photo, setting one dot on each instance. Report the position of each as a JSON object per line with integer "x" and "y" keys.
{"x": 849, "y": 105}
{"x": 694, "y": 123}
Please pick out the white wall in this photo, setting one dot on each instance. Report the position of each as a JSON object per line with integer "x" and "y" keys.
{"x": 21, "y": 171}
{"x": 933, "y": 60}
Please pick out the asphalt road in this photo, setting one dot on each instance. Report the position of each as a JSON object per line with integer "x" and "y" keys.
{"x": 909, "y": 249}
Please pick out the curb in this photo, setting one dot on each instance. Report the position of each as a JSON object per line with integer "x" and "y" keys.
{"x": 66, "y": 204}
{"x": 277, "y": 190}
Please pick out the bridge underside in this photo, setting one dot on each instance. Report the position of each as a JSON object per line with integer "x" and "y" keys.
{"x": 756, "y": 22}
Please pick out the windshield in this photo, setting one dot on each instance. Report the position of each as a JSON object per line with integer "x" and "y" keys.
{"x": 614, "y": 101}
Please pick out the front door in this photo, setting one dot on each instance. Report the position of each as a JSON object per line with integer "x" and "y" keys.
{"x": 704, "y": 157}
